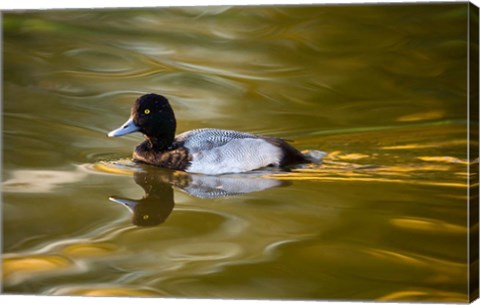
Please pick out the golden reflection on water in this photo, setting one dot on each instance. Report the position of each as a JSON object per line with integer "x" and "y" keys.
{"x": 429, "y": 145}
{"x": 121, "y": 291}
{"x": 16, "y": 269}
{"x": 119, "y": 170}
{"x": 428, "y": 295}
{"x": 429, "y": 225}
{"x": 444, "y": 159}
{"x": 429, "y": 115}
{"x": 352, "y": 178}
{"x": 340, "y": 171}
{"x": 88, "y": 250}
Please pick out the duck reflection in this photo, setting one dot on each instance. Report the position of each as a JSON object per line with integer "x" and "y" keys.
{"x": 158, "y": 202}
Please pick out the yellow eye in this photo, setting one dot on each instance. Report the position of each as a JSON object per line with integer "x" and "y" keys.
{"x": 146, "y": 111}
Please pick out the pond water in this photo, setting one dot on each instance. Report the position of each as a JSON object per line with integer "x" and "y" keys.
{"x": 379, "y": 88}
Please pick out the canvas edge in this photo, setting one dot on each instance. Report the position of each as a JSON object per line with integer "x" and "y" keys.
{"x": 1, "y": 150}
{"x": 473, "y": 152}
{"x": 473, "y": 130}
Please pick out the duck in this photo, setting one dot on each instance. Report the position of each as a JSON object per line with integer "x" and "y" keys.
{"x": 206, "y": 151}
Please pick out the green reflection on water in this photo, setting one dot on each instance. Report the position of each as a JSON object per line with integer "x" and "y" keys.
{"x": 378, "y": 87}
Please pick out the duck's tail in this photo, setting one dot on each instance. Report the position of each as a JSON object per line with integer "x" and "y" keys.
{"x": 315, "y": 156}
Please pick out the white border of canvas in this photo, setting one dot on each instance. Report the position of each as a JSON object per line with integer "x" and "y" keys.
{"x": 56, "y": 4}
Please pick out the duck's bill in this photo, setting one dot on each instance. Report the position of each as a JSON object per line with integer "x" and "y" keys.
{"x": 128, "y": 127}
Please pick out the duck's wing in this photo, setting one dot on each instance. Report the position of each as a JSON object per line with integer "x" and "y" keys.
{"x": 209, "y": 138}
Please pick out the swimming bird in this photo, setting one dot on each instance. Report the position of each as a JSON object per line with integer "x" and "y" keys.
{"x": 206, "y": 151}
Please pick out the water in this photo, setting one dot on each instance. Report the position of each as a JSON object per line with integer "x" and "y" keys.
{"x": 379, "y": 88}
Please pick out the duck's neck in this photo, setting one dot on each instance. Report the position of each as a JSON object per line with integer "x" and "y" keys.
{"x": 160, "y": 143}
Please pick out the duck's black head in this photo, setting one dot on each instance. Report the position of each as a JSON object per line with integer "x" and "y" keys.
{"x": 153, "y": 116}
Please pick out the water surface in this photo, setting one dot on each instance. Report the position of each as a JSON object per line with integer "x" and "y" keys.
{"x": 379, "y": 88}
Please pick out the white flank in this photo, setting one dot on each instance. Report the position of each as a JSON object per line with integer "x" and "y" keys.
{"x": 236, "y": 156}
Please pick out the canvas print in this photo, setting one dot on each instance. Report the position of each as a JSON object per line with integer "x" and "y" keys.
{"x": 283, "y": 152}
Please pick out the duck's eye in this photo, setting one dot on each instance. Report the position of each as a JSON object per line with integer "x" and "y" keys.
{"x": 146, "y": 111}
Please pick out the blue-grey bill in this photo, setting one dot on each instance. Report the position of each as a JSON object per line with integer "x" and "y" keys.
{"x": 128, "y": 127}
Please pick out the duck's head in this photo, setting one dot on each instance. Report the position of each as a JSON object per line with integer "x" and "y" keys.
{"x": 151, "y": 115}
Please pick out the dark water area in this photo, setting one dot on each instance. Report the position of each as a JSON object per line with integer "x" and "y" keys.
{"x": 380, "y": 88}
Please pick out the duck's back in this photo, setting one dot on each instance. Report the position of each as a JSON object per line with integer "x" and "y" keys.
{"x": 218, "y": 151}
{"x": 208, "y": 138}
